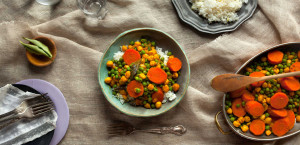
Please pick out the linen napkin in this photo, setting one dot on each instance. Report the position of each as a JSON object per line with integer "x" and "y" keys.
{"x": 24, "y": 130}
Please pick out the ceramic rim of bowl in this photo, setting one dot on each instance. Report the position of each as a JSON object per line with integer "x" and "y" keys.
{"x": 109, "y": 98}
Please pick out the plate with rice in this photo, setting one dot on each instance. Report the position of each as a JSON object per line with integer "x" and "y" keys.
{"x": 144, "y": 72}
{"x": 215, "y": 16}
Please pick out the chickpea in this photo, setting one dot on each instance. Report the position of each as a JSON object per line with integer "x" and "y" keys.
{"x": 165, "y": 88}
{"x": 156, "y": 56}
{"x": 268, "y": 100}
{"x": 158, "y": 65}
{"x": 259, "y": 67}
{"x": 265, "y": 105}
{"x": 298, "y": 118}
{"x": 127, "y": 74}
{"x": 126, "y": 66}
{"x": 145, "y": 56}
{"x": 152, "y": 63}
{"x": 137, "y": 43}
{"x": 122, "y": 92}
{"x": 175, "y": 87}
{"x": 241, "y": 119}
{"x": 247, "y": 119}
{"x": 229, "y": 111}
{"x": 268, "y": 132}
{"x": 124, "y": 48}
{"x": 292, "y": 94}
{"x": 244, "y": 128}
{"x": 260, "y": 98}
{"x": 167, "y": 82}
{"x": 249, "y": 69}
{"x": 150, "y": 87}
{"x": 276, "y": 71}
{"x": 139, "y": 48}
{"x": 257, "y": 89}
{"x": 123, "y": 80}
{"x": 107, "y": 80}
{"x": 143, "y": 66}
{"x": 158, "y": 104}
{"x": 286, "y": 70}
{"x": 290, "y": 57}
{"x": 175, "y": 75}
{"x": 109, "y": 64}
{"x": 150, "y": 58}
{"x": 143, "y": 60}
{"x": 172, "y": 56}
{"x": 236, "y": 123}
{"x": 264, "y": 59}
{"x": 124, "y": 97}
{"x": 130, "y": 47}
{"x": 268, "y": 120}
{"x": 142, "y": 76}
{"x": 147, "y": 105}
{"x": 262, "y": 117}
{"x": 265, "y": 84}
{"x": 289, "y": 61}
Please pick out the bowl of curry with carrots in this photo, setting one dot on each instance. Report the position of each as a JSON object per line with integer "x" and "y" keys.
{"x": 266, "y": 110}
{"x": 144, "y": 72}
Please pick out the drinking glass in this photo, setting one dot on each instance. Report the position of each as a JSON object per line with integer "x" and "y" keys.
{"x": 93, "y": 8}
{"x": 47, "y": 2}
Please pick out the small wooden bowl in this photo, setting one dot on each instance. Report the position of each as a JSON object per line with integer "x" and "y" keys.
{"x": 40, "y": 60}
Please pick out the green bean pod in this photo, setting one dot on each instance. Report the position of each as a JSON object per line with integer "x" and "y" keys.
{"x": 40, "y": 45}
{"x": 34, "y": 49}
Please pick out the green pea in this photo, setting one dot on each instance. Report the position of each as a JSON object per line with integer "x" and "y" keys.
{"x": 144, "y": 84}
{"x": 114, "y": 93}
{"x": 114, "y": 86}
{"x": 283, "y": 60}
{"x": 232, "y": 119}
{"x": 265, "y": 64}
{"x": 149, "y": 48}
{"x": 136, "y": 78}
{"x": 227, "y": 102}
{"x": 230, "y": 115}
{"x": 152, "y": 106}
{"x": 267, "y": 114}
{"x": 169, "y": 53}
{"x": 128, "y": 68}
{"x": 271, "y": 91}
{"x": 144, "y": 102}
{"x": 140, "y": 80}
{"x": 256, "y": 95}
{"x": 141, "y": 69}
{"x": 155, "y": 89}
{"x": 145, "y": 72}
{"x": 143, "y": 45}
{"x": 117, "y": 77}
{"x": 292, "y": 53}
{"x": 261, "y": 91}
{"x": 131, "y": 42}
{"x": 238, "y": 105}
{"x": 168, "y": 73}
{"x": 267, "y": 127}
{"x": 288, "y": 64}
{"x": 290, "y": 107}
{"x": 162, "y": 58}
{"x": 291, "y": 101}
{"x": 145, "y": 93}
{"x": 278, "y": 85}
{"x": 149, "y": 99}
{"x": 296, "y": 96}
{"x": 267, "y": 89}
{"x": 137, "y": 90}
{"x": 143, "y": 52}
{"x": 227, "y": 96}
{"x": 281, "y": 70}
{"x": 247, "y": 73}
{"x": 143, "y": 40}
{"x": 297, "y": 100}
{"x": 153, "y": 43}
{"x": 293, "y": 105}
{"x": 280, "y": 66}
{"x": 226, "y": 107}
{"x": 171, "y": 89}
{"x": 243, "y": 103}
{"x": 116, "y": 68}
{"x": 112, "y": 75}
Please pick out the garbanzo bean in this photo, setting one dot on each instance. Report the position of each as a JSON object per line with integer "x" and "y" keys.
{"x": 109, "y": 64}
{"x": 107, "y": 80}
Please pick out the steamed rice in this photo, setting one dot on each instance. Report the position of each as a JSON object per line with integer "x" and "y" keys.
{"x": 118, "y": 55}
{"x": 218, "y": 10}
{"x": 163, "y": 54}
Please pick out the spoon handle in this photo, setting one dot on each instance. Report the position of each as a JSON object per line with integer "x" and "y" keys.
{"x": 280, "y": 76}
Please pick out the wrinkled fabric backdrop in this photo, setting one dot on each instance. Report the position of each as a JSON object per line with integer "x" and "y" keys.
{"x": 81, "y": 43}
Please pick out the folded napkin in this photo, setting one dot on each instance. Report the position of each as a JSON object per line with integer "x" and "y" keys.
{"x": 24, "y": 130}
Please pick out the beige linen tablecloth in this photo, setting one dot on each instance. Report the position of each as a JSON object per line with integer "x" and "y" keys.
{"x": 80, "y": 44}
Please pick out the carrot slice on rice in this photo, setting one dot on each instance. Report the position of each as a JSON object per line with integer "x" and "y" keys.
{"x": 157, "y": 75}
{"x": 275, "y": 57}
{"x": 131, "y": 56}
{"x": 132, "y": 86}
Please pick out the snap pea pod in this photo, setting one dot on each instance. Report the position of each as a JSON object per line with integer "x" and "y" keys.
{"x": 40, "y": 45}
{"x": 34, "y": 49}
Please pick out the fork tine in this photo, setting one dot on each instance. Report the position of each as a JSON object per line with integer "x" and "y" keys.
{"x": 40, "y": 104}
{"x": 42, "y": 111}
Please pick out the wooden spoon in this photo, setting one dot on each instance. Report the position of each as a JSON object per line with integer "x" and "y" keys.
{"x": 231, "y": 82}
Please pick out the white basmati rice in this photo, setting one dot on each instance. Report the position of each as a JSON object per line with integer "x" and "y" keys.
{"x": 169, "y": 96}
{"x": 163, "y": 54}
{"x": 120, "y": 97}
{"x": 118, "y": 55}
{"x": 218, "y": 10}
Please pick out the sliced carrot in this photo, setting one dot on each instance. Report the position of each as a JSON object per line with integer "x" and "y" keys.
{"x": 132, "y": 86}
{"x": 280, "y": 127}
{"x": 257, "y": 127}
{"x": 275, "y": 57}
{"x": 174, "y": 64}
{"x": 237, "y": 93}
{"x": 279, "y": 100}
{"x": 254, "y": 108}
{"x": 247, "y": 96}
{"x": 157, "y": 75}
{"x": 159, "y": 95}
{"x": 131, "y": 56}
{"x": 257, "y": 74}
{"x": 291, "y": 118}
{"x": 290, "y": 83}
{"x": 238, "y": 111}
{"x": 295, "y": 67}
{"x": 277, "y": 112}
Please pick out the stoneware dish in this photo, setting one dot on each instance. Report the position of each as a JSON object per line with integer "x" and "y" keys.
{"x": 293, "y": 46}
{"x": 187, "y": 15}
{"x": 164, "y": 41}
{"x": 40, "y": 60}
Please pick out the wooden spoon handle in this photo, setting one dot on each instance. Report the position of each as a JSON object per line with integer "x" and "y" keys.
{"x": 280, "y": 76}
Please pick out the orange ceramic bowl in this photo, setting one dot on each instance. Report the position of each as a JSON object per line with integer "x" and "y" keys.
{"x": 40, "y": 60}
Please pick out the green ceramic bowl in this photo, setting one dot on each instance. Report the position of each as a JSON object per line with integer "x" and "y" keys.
{"x": 164, "y": 41}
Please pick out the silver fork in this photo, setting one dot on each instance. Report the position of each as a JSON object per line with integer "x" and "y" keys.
{"x": 28, "y": 109}
{"x": 124, "y": 128}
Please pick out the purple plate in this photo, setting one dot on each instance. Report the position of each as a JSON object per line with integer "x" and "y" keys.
{"x": 61, "y": 106}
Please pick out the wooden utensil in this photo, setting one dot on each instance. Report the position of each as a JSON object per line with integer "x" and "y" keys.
{"x": 231, "y": 82}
